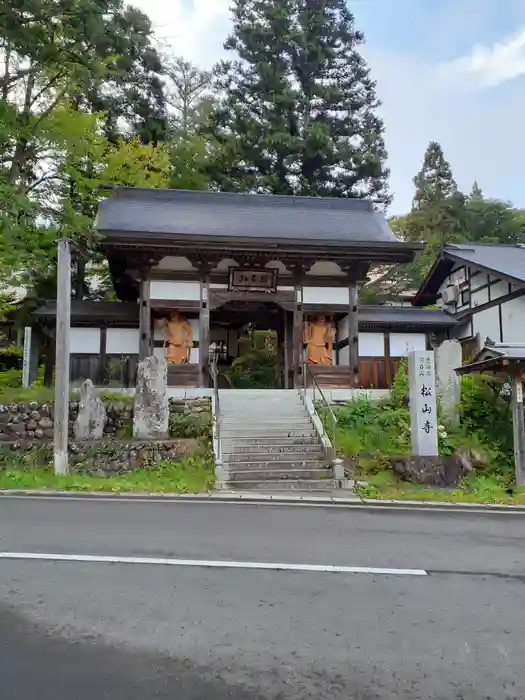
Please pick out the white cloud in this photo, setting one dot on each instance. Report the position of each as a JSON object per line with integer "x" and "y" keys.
{"x": 195, "y": 29}
{"x": 491, "y": 65}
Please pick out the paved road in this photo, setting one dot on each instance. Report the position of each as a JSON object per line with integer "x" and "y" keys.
{"x": 148, "y": 631}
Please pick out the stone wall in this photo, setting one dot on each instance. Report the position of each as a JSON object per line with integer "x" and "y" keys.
{"x": 102, "y": 458}
{"x": 33, "y": 421}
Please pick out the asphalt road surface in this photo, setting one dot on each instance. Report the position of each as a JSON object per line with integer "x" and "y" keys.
{"x": 447, "y": 625}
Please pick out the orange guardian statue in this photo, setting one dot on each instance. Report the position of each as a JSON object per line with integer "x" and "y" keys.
{"x": 179, "y": 339}
{"x": 319, "y": 336}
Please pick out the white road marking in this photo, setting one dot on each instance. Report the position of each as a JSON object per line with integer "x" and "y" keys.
{"x": 94, "y": 559}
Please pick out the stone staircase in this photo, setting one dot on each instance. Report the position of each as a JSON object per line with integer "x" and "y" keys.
{"x": 270, "y": 443}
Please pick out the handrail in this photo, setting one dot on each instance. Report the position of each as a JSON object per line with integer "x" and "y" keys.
{"x": 214, "y": 373}
{"x": 307, "y": 371}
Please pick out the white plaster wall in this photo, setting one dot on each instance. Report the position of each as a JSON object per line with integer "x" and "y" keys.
{"x": 325, "y": 295}
{"x": 344, "y": 356}
{"x": 486, "y": 323}
{"x": 85, "y": 341}
{"x": 122, "y": 341}
{"x": 175, "y": 264}
{"x": 480, "y": 297}
{"x": 403, "y": 343}
{"x": 513, "y": 321}
{"x": 371, "y": 344}
{"x": 499, "y": 289}
{"x": 166, "y": 289}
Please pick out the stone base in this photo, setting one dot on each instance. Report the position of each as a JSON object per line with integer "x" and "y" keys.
{"x": 430, "y": 471}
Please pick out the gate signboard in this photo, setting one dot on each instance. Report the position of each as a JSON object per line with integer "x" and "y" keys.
{"x": 246, "y": 280}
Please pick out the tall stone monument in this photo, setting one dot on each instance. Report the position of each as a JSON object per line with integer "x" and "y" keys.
{"x": 448, "y": 384}
{"x": 423, "y": 404}
{"x": 91, "y": 418}
{"x": 151, "y": 409}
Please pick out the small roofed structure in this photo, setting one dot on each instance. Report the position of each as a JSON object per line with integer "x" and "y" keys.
{"x": 509, "y": 360}
{"x": 504, "y": 358}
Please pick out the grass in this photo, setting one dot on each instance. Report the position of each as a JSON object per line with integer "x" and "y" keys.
{"x": 190, "y": 475}
{"x": 476, "y": 488}
{"x": 46, "y": 394}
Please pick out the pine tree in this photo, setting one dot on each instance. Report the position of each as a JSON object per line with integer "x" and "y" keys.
{"x": 476, "y": 193}
{"x": 298, "y": 116}
{"x": 434, "y": 183}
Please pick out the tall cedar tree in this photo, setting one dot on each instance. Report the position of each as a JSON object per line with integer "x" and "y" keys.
{"x": 298, "y": 113}
{"x": 434, "y": 182}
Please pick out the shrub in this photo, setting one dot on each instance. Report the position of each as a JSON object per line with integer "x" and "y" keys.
{"x": 182, "y": 425}
{"x": 399, "y": 391}
{"x": 11, "y": 358}
{"x": 257, "y": 369}
{"x": 10, "y": 379}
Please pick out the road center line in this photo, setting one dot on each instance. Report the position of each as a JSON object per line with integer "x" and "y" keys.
{"x": 153, "y": 561}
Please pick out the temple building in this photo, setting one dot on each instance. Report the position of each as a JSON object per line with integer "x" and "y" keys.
{"x": 194, "y": 271}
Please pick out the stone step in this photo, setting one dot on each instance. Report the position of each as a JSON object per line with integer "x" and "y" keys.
{"x": 274, "y": 461}
{"x": 263, "y": 432}
{"x": 282, "y": 464}
{"x": 286, "y": 485}
{"x": 278, "y": 474}
{"x": 265, "y": 424}
{"x": 266, "y": 441}
{"x": 264, "y": 411}
{"x": 271, "y": 451}
{"x": 253, "y": 401}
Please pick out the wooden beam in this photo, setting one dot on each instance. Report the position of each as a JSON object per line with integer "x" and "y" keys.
{"x": 388, "y": 361}
{"x": 145, "y": 347}
{"x": 518, "y": 425}
{"x": 103, "y": 356}
{"x": 286, "y": 350}
{"x": 204, "y": 331}
{"x": 61, "y": 422}
{"x": 353, "y": 333}
{"x": 298, "y": 335}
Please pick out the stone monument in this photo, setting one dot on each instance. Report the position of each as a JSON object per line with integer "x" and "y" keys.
{"x": 423, "y": 404}
{"x": 448, "y": 384}
{"x": 91, "y": 418}
{"x": 318, "y": 336}
{"x": 151, "y": 408}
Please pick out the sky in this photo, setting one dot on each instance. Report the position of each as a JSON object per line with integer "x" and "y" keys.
{"x": 451, "y": 71}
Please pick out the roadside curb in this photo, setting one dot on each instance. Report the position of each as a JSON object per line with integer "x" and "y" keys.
{"x": 249, "y": 498}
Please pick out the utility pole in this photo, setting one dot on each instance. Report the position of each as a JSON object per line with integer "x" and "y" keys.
{"x": 63, "y": 319}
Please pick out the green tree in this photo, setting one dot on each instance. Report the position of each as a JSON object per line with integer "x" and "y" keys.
{"x": 189, "y": 93}
{"x": 476, "y": 192}
{"x": 297, "y": 112}
{"x": 434, "y": 182}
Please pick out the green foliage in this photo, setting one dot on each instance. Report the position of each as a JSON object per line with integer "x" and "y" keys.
{"x": 371, "y": 429}
{"x": 434, "y": 182}
{"x": 257, "y": 368}
{"x": 190, "y": 425}
{"x": 10, "y": 358}
{"x": 399, "y": 390}
{"x": 10, "y": 379}
{"x": 190, "y": 475}
{"x": 371, "y": 433}
{"x": 297, "y": 106}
